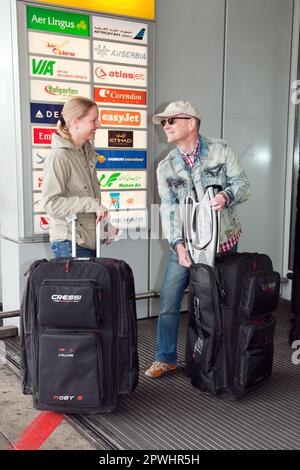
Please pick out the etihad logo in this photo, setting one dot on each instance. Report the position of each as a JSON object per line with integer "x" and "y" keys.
{"x": 120, "y": 96}
{"x": 59, "y": 91}
{"x": 101, "y": 74}
{"x": 124, "y": 118}
{"x": 42, "y": 67}
{"x": 120, "y": 139}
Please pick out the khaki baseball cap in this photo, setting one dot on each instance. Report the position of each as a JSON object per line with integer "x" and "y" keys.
{"x": 174, "y": 109}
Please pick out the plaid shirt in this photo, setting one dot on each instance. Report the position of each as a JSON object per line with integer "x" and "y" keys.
{"x": 230, "y": 243}
{"x": 190, "y": 158}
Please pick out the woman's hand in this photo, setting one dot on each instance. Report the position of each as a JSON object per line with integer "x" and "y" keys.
{"x": 112, "y": 232}
{"x": 101, "y": 213}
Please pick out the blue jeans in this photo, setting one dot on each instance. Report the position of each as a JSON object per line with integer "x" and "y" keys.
{"x": 176, "y": 280}
{"x": 64, "y": 250}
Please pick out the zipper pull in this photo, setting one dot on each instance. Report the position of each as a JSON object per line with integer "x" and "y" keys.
{"x": 68, "y": 266}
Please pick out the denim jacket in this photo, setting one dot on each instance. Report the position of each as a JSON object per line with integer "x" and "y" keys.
{"x": 217, "y": 165}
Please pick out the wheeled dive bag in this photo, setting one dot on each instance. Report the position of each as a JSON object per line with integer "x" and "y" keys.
{"x": 79, "y": 334}
{"x": 230, "y": 337}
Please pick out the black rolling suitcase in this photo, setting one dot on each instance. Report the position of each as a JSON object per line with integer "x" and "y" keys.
{"x": 229, "y": 348}
{"x": 79, "y": 334}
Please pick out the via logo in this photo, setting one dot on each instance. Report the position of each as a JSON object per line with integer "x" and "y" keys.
{"x": 42, "y": 67}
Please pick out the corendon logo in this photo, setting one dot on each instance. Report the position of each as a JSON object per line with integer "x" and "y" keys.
{"x": 42, "y": 135}
{"x": 125, "y": 118}
{"x": 115, "y": 95}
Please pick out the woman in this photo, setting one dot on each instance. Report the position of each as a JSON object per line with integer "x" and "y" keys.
{"x": 70, "y": 184}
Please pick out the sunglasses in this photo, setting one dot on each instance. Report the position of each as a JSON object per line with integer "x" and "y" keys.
{"x": 171, "y": 120}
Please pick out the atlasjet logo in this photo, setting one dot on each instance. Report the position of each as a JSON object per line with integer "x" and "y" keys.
{"x": 66, "y": 298}
{"x": 100, "y": 73}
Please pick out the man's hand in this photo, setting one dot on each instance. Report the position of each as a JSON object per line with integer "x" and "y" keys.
{"x": 218, "y": 202}
{"x": 183, "y": 256}
{"x": 101, "y": 214}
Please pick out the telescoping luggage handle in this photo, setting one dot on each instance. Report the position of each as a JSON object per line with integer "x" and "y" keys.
{"x": 72, "y": 218}
{"x": 201, "y": 227}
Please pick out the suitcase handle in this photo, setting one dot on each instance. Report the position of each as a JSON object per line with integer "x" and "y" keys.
{"x": 72, "y": 218}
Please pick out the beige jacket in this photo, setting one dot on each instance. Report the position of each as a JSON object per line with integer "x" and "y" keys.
{"x": 70, "y": 186}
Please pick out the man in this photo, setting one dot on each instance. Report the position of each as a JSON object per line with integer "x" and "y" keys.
{"x": 195, "y": 163}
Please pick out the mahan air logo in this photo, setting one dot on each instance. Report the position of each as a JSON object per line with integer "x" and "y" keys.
{"x": 112, "y": 179}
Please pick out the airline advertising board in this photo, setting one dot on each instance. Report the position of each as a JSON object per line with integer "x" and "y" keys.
{"x": 39, "y": 156}
{"x": 121, "y": 159}
{"x": 121, "y": 53}
{"x": 121, "y": 138}
{"x": 58, "y": 46}
{"x": 43, "y": 90}
{"x": 121, "y": 200}
{"x": 121, "y": 179}
{"x": 118, "y": 30}
{"x": 120, "y": 96}
{"x": 120, "y": 75}
{"x": 104, "y": 58}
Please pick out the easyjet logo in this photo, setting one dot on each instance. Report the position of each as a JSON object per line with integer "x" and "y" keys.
{"x": 115, "y": 95}
{"x": 125, "y": 118}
